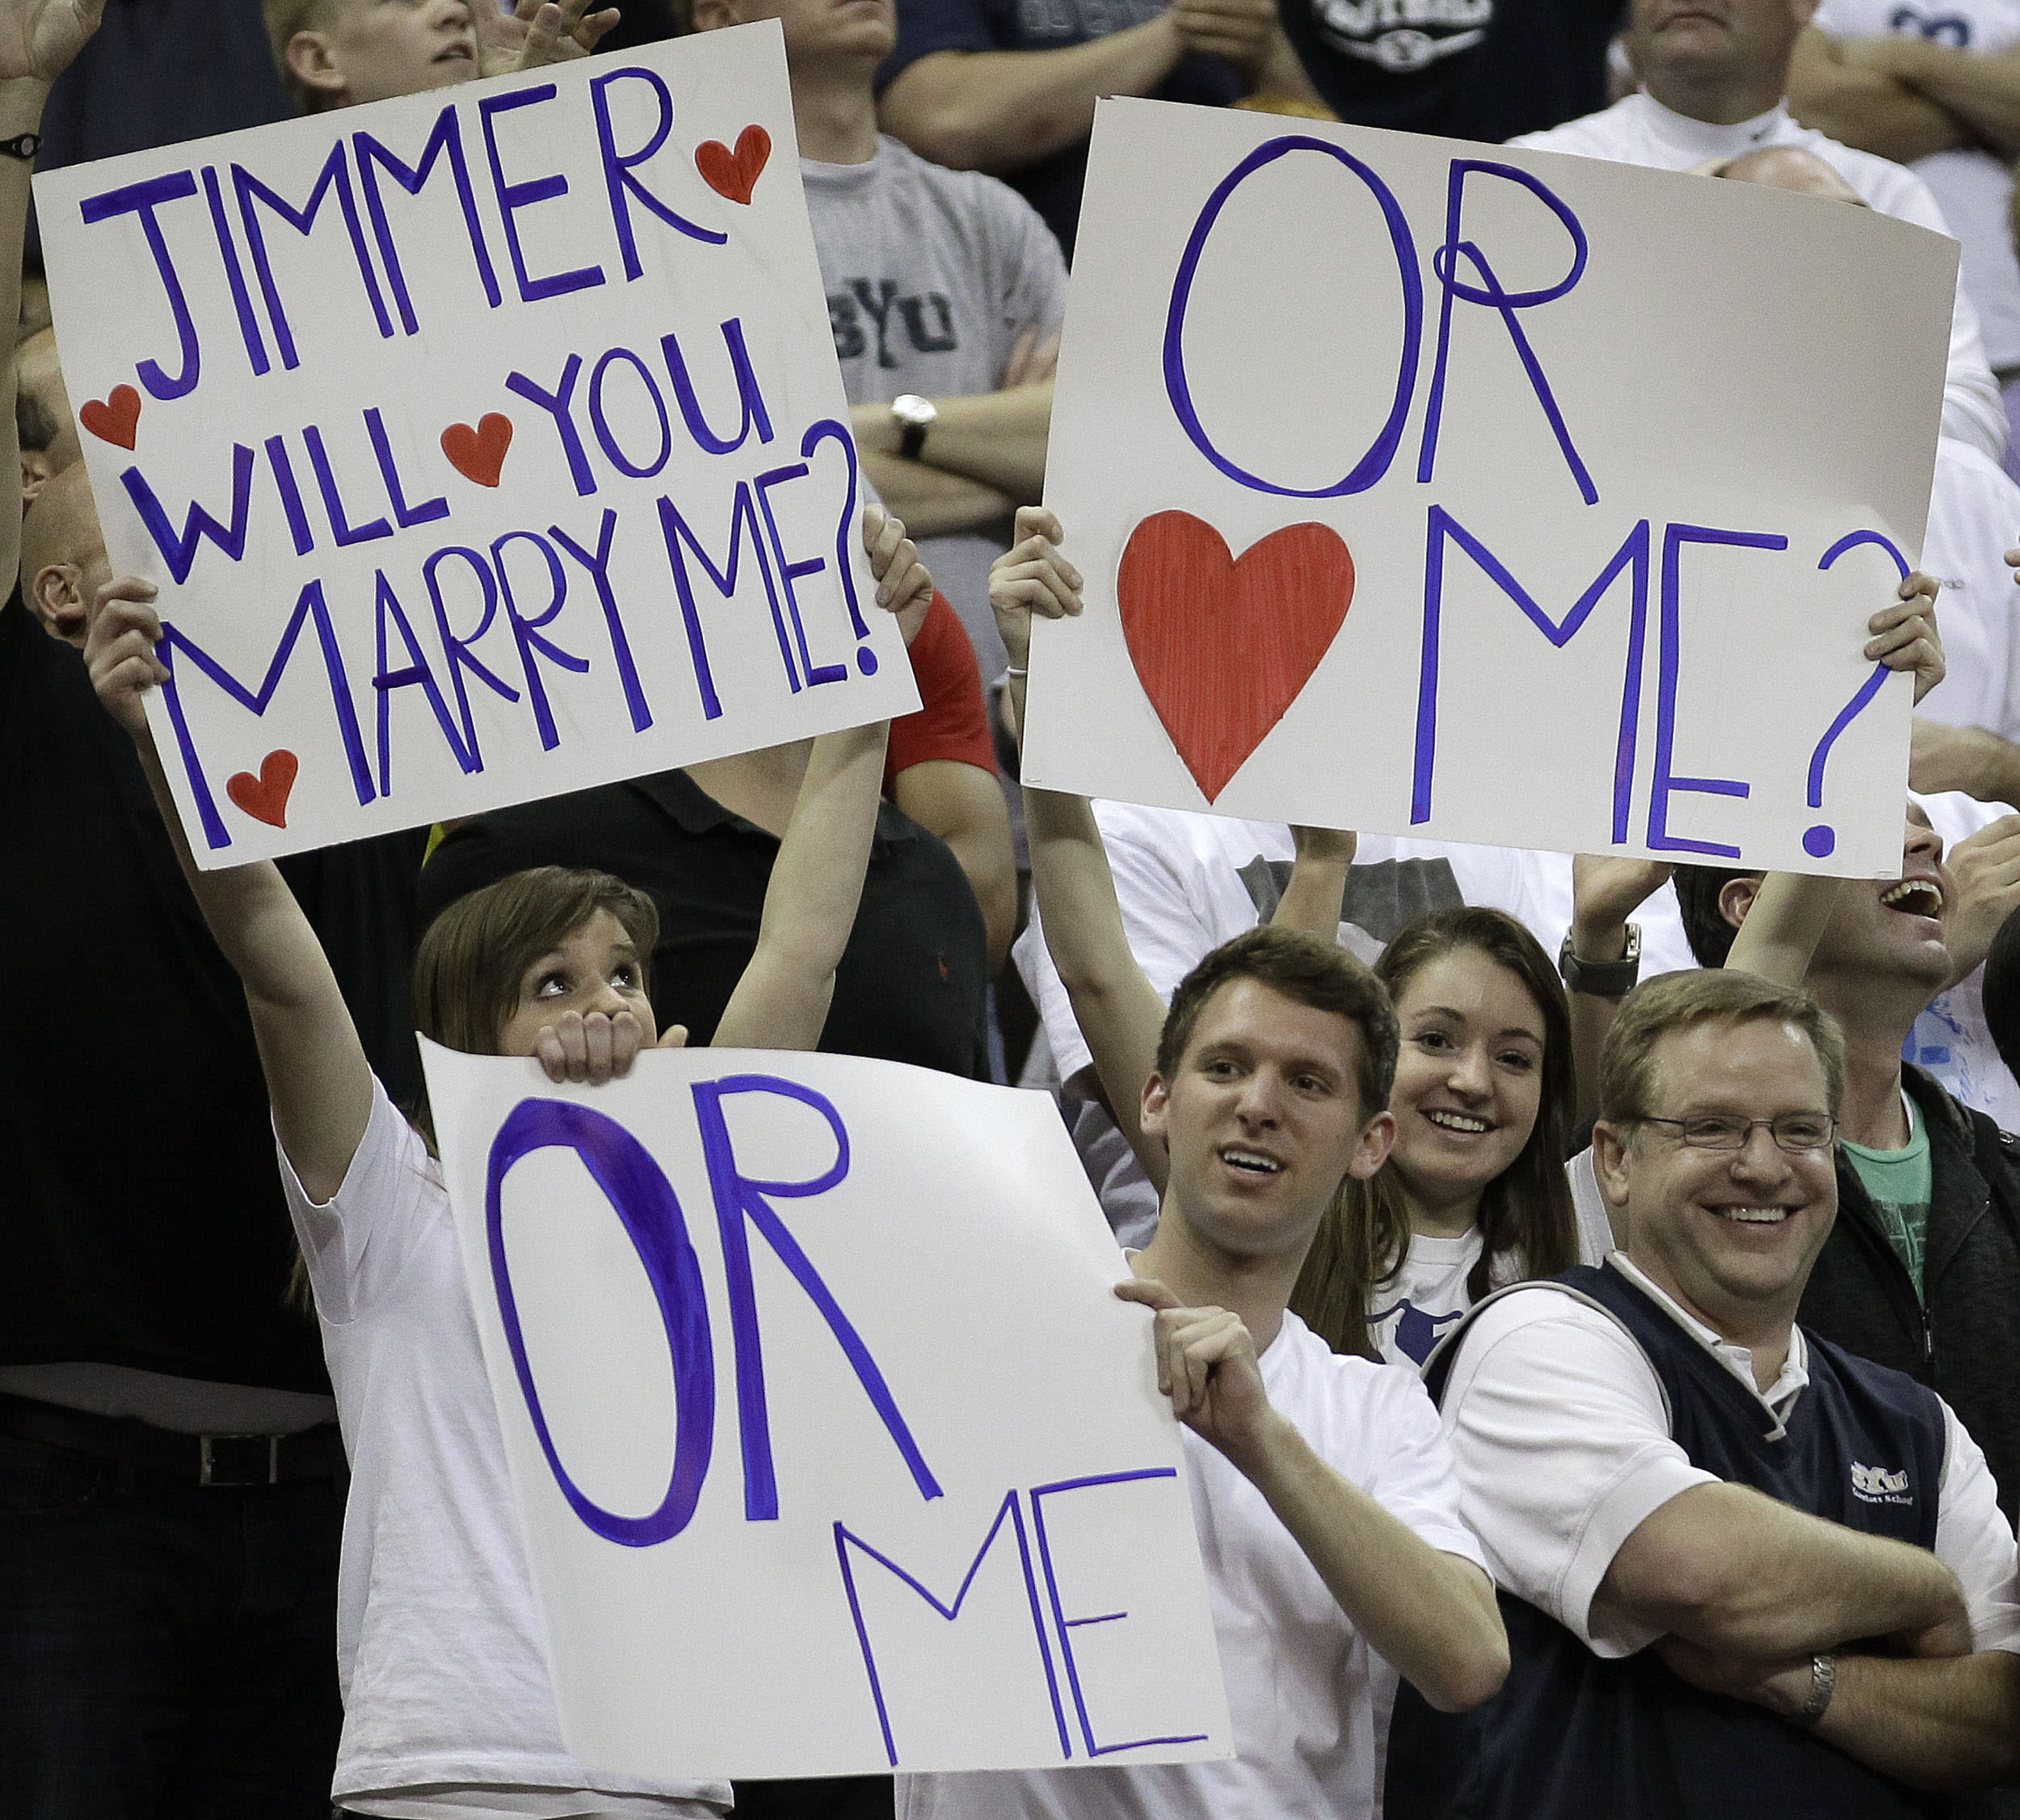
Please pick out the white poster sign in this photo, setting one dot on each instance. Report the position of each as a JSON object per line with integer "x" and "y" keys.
{"x": 1436, "y": 489}
{"x": 835, "y": 1452}
{"x": 484, "y": 444}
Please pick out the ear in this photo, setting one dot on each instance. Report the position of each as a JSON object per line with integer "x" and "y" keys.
{"x": 710, "y": 15}
{"x": 1609, "y": 1163}
{"x": 37, "y": 471}
{"x": 1157, "y": 1098}
{"x": 1737, "y": 898}
{"x": 312, "y": 64}
{"x": 55, "y": 589}
{"x": 1372, "y": 1151}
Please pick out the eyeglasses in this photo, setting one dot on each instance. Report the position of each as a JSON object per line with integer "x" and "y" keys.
{"x": 1798, "y": 1133}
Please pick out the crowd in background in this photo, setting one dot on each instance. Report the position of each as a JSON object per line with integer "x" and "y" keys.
{"x": 1591, "y": 1288}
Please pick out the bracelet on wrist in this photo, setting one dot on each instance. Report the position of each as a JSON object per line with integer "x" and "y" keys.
{"x": 1823, "y": 1684}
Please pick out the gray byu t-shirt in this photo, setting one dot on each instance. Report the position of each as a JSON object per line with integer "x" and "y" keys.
{"x": 931, "y": 274}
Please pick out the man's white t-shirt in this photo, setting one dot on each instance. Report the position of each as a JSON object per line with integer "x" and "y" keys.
{"x": 438, "y": 1653}
{"x": 1303, "y": 1690}
{"x": 1561, "y": 1431}
{"x": 1640, "y": 130}
{"x": 1972, "y": 186}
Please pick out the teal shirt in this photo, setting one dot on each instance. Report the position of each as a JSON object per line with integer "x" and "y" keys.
{"x": 1899, "y": 1183}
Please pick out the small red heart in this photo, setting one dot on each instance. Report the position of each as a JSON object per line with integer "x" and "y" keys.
{"x": 265, "y": 798}
{"x": 734, "y": 174}
{"x": 479, "y": 454}
{"x": 116, "y": 419}
{"x": 1222, "y": 647}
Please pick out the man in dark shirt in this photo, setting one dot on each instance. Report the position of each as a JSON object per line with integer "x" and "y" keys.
{"x": 1461, "y": 69}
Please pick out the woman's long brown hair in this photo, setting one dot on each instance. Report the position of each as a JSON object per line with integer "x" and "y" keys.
{"x": 1526, "y": 1212}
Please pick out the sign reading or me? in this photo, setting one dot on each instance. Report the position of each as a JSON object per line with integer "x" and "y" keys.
{"x": 835, "y": 1451}
{"x": 1486, "y": 495}
{"x": 484, "y": 444}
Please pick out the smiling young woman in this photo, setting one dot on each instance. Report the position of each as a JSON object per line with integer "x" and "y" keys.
{"x": 1474, "y": 1194}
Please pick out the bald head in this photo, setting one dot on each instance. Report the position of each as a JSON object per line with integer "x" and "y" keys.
{"x": 62, "y": 554}
{"x": 1790, "y": 168}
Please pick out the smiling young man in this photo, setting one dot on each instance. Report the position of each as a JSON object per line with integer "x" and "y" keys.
{"x": 1322, "y": 1491}
{"x": 1745, "y": 1573}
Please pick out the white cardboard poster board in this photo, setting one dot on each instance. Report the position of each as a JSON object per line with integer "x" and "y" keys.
{"x": 847, "y": 1458}
{"x": 1436, "y": 489}
{"x": 484, "y": 444}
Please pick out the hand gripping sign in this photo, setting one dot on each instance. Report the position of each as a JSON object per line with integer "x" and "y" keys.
{"x": 484, "y": 444}
{"x": 835, "y": 1452}
{"x": 1486, "y": 495}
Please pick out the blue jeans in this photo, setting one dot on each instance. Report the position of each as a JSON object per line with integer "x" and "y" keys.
{"x": 167, "y": 1651}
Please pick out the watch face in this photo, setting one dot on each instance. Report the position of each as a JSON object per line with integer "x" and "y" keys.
{"x": 908, "y": 407}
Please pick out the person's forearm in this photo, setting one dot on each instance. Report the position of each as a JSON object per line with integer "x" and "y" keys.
{"x": 1864, "y": 108}
{"x": 1783, "y": 927}
{"x": 1313, "y": 900}
{"x": 1594, "y": 937}
{"x": 932, "y": 503}
{"x": 1970, "y": 759}
{"x": 1948, "y": 1723}
{"x": 1980, "y": 89}
{"x": 1431, "y": 1616}
{"x": 963, "y": 804}
{"x": 811, "y": 903}
{"x": 1002, "y": 111}
{"x": 1730, "y": 1568}
{"x": 996, "y": 439}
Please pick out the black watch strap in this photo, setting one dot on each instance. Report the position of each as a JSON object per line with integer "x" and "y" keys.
{"x": 1602, "y": 978}
{"x": 910, "y": 440}
{"x": 22, "y": 145}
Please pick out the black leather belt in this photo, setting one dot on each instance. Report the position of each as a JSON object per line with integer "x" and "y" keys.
{"x": 201, "y": 1459}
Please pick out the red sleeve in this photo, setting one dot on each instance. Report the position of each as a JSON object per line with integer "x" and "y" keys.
{"x": 953, "y": 720}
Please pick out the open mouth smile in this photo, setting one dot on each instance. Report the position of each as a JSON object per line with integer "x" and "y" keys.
{"x": 1914, "y": 897}
{"x": 1249, "y": 1162}
{"x": 1466, "y": 1123}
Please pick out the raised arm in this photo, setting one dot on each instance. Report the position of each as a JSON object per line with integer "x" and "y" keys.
{"x": 317, "y": 1075}
{"x": 533, "y": 34}
{"x": 1783, "y": 927}
{"x": 39, "y": 39}
{"x": 1317, "y": 887}
{"x": 782, "y": 1000}
{"x": 1117, "y": 1008}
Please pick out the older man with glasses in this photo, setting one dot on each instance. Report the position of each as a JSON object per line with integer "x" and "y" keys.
{"x": 1743, "y": 1573}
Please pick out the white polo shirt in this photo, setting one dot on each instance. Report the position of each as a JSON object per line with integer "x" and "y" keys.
{"x": 1560, "y": 1430}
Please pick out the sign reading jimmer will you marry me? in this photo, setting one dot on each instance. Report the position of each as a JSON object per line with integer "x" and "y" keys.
{"x": 1426, "y": 487}
{"x": 484, "y": 444}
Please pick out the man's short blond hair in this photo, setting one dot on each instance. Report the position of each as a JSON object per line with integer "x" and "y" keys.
{"x": 284, "y": 19}
{"x": 1679, "y": 1001}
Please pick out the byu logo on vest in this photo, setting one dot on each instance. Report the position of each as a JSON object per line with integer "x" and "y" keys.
{"x": 1874, "y": 1484}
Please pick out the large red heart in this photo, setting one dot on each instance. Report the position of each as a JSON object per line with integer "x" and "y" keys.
{"x": 1223, "y": 647}
{"x": 115, "y": 419}
{"x": 479, "y": 454}
{"x": 734, "y": 174}
{"x": 265, "y": 798}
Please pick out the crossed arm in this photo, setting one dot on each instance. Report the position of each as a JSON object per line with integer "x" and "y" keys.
{"x": 1747, "y": 1590}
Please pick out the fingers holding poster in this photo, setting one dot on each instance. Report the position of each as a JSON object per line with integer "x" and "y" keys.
{"x": 835, "y": 1451}
{"x": 1489, "y": 496}
{"x": 485, "y": 443}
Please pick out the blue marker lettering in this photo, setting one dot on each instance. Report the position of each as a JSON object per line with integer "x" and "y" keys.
{"x": 335, "y": 176}
{"x": 526, "y": 632}
{"x": 618, "y": 180}
{"x": 179, "y": 551}
{"x": 606, "y": 438}
{"x": 598, "y": 568}
{"x": 428, "y": 510}
{"x": 676, "y": 530}
{"x": 458, "y": 650}
{"x": 555, "y": 403}
{"x": 372, "y": 158}
{"x": 235, "y": 275}
{"x": 790, "y": 571}
{"x": 143, "y": 200}
{"x": 512, "y": 197}
{"x": 747, "y": 391}
{"x": 340, "y": 526}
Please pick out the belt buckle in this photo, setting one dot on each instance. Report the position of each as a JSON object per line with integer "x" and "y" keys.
{"x": 208, "y": 1470}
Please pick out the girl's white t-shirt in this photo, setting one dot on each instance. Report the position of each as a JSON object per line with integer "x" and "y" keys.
{"x": 1410, "y": 1314}
{"x": 438, "y": 1652}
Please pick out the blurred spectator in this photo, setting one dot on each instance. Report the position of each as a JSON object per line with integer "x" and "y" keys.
{"x": 1010, "y": 87}
{"x": 1937, "y": 87}
{"x": 1713, "y": 81}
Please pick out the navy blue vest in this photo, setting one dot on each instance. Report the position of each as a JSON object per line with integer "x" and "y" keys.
{"x": 1572, "y": 1736}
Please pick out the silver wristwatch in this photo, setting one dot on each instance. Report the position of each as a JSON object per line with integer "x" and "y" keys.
{"x": 915, "y": 415}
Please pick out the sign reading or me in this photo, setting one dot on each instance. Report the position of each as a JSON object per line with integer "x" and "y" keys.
{"x": 1486, "y": 495}
{"x": 484, "y": 444}
{"x": 835, "y": 1452}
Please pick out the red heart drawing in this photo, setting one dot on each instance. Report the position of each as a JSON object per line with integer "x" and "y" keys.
{"x": 116, "y": 419}
{"x": 734, "y": 174}
{"x": 479, "y": 454}
{"x": 265, "y": 798}
{"x": 1222, "y": 646}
